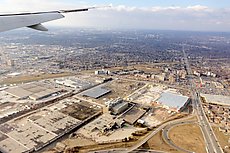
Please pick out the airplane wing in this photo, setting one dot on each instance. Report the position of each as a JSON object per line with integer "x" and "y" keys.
{"x": 32, "y": 20}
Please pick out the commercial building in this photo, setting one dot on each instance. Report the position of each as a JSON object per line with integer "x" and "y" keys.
{"x": 216, "y": 99}
{"x": 34, "y": 91}
{"x": 120, "y": 107}
{"x": 35, "y": 131}
{"x": 172, "y": 100}
{"x": 96, "y": 92}
{"x": 102, "y": 72}
{"x": 160, "y": 77}
{"x": 116, "y": 106}
{"x": 74, "y": 83}
{"x": 134, "y": 115}
{"x": 104, "y": 124}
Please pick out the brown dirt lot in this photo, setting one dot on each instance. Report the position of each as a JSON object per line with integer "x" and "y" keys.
{"x": 188, "y": 137}
{"x": 157, "y": 143}
{"x": 121, "y": 88}
{"x": 223, "y": 139}
{"x": 79, "y": 112}
{"x": 74, "y": 142}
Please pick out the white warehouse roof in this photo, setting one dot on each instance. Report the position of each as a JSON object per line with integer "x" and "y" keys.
{"x": 172, "y": 100}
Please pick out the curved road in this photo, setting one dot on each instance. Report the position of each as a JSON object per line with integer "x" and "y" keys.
{"x": 169, "y": 141}
{"x": 134, "y": 149}
{"x": 119, "y": 150}
{"x": 149, "y": 136}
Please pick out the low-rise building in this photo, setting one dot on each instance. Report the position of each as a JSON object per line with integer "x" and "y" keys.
{"x": 119, "y": 108}
{"x": 102, "y": 72}
{"x": 216, "y": 99}
{"x": 34, "y": 91}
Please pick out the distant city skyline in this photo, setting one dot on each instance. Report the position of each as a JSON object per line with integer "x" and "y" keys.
{"x": 195, "y": 15}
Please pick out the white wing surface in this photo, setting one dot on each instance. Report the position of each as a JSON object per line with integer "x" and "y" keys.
{"x": 32, "y": 20}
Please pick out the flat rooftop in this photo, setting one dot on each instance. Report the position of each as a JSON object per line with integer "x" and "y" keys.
{"x": 120, "y": 105}
{"x": 133, "y": 115}
{"x": 75, "y": 83}
{"x": 100, "y": 123}
{"x": 96, "y": 92}
{"x": 217, "y": 99}
{"x": 32, "y": 90}
{"x": 34, "y": 131}
{"x": 172, "y": 100}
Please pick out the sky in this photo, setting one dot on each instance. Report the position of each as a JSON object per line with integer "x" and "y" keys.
{"x": 194, "y": 15}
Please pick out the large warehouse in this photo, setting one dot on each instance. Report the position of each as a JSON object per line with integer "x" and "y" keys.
{"x": 96, "y": 92}
{"x": 34, "y": 91}
{"x": 216, "y": 99}
{"x": 74, "y": 83}
{"x": 172, "y": 100}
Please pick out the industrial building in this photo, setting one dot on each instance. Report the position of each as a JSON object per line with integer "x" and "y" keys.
{"x": 106, "y": 128}
{"x": 117, "y": 106}
{"x": 134, "y": 115}
{"x": 35, "y": 131}
{"x": 172, "y": 100}
{"x": 96, "y": 92}
{"x": 216, "y": 99}
{"x": 102, "y": 72}
{"x": 103, "y": 124}
{"x": 74, "y": 83}
{"x": 34, "y": 91}
{"x": 120, "y": 107}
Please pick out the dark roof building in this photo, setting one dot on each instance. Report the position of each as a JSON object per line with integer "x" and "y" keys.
{"x": 96, "y": 92}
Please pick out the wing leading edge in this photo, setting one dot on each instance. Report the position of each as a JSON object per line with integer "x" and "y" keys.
{"x": 32, "y": 20}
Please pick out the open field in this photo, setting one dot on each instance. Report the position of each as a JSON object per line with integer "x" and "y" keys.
{"x": 223, "y": 139}
{"x": 189, "y": 137}
{"x": 157, "y": 143}
{"x": 31, "y": 78}
{"x": 79, "y": 112}
{"x": 105, "y": 146}
{"x": 121, "y": 88}
{"x": 85, "y": 145}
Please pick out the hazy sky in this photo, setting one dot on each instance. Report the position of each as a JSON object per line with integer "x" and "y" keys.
{"x": 204, "y": 15}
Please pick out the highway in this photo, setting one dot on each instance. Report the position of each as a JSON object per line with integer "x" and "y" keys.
{"x": 212, "y": 145}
